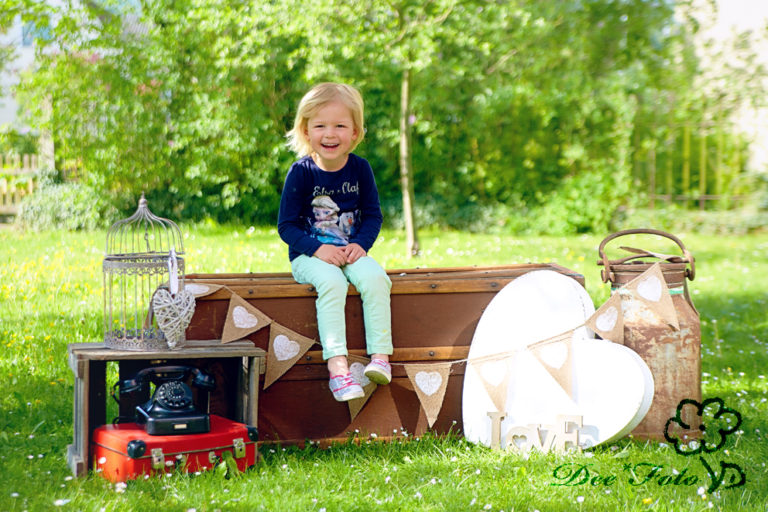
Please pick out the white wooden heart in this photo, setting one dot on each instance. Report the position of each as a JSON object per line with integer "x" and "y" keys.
{"x": 428, "y": 382}
{"x": 612, "y": 386}
{"x": 358, "y": 372}
{"x": 606, "y": 321}
{"x": 173, "y": 314}
{"x": 650, "y": 288}
{"x": 243, "y": 319}
{"x": 285, "y": 348}
{"x": 554, "y": 354}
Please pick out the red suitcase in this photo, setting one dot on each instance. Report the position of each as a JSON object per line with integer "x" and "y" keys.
{"x": 125, "y": 451}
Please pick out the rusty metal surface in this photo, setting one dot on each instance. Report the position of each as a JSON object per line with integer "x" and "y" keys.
{"x": 674, "y": 356}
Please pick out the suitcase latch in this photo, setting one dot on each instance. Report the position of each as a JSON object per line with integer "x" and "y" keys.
{"x": 239, "y": 446}
{"x": 158, "y": 459}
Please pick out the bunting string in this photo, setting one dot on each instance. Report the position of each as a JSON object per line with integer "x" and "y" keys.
{"x": 429, "y": 379}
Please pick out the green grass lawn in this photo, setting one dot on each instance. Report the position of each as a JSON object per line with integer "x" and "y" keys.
{"x": 51, "y": 295}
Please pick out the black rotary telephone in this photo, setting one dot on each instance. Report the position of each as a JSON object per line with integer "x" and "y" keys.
{"x": 171, "y": 409}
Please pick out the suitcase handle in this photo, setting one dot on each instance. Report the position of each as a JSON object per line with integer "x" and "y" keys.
{"x": 607, "y": 274}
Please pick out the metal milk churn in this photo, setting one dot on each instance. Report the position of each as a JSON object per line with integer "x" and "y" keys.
{"x": 673, "y": 356}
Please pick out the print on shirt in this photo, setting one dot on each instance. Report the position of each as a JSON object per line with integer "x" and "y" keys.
{"x": 330, "y": 226}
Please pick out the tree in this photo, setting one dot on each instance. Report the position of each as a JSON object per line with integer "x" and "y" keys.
{"x": 517, "y": 115}
{"x": 383, "y": 38}
{"x": 186, "y": 100}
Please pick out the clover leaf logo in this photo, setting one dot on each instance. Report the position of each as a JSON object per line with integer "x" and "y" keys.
{"x": 711, "y": 417}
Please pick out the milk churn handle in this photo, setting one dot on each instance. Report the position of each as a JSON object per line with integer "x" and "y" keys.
{"x": 606, "y": 273}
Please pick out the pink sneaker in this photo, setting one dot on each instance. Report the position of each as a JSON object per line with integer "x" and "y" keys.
{"x": 379, "y": 371}
{"x": 345, "y": 387}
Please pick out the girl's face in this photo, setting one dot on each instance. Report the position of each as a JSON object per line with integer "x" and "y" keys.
{"x": 331, "y": 132}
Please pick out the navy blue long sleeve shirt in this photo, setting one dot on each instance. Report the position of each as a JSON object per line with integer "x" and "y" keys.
{"x": 320, "y": 207}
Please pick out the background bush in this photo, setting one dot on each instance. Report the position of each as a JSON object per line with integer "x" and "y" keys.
{"x": 63, "y": 205}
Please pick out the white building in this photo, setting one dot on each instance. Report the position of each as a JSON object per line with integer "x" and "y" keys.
{"x": 21, "y": 37}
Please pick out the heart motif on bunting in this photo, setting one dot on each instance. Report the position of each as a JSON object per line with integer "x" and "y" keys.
{"x": 493, "y": 372}
{"x": 243, "y": 319}
{"x": 607, "y": 320}
{"x": 650, "y": 288}
{"x": 197, "y": 289}
{"x": 358, "y": 373}
{"x": 648, "y": 299}
{"x": 285, "y": 348}
{"x": 428, "y": 382}
{"x": 357, "y": 369}
{"x": 173, "y": 314}
{"x": 554, "y": 354}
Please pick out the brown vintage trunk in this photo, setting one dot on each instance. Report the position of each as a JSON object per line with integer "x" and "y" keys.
{"x": 674, "y": 356}
{"x": 434, "y": 315}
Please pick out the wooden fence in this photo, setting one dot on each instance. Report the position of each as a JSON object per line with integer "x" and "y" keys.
{"x": 17, "y": 179}
{"x": 697, "y": 165}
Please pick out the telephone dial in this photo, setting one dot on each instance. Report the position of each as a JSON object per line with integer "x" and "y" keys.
{"x": 171, "y": 409}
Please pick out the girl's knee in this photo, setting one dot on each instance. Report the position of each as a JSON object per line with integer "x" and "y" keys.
{"x": 332, "y": 286}
{"x": 376, "y": 282}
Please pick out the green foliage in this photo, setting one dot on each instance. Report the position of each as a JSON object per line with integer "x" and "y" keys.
{"x": 13, "y": 142}
{"x": 516, "y": 106}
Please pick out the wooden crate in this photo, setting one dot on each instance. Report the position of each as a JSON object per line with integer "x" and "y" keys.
{"x": 434, "y": 315}
{"x": 235, "y": 366}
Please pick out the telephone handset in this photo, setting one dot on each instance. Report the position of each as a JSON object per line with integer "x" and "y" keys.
{"x": 171, "y": 410}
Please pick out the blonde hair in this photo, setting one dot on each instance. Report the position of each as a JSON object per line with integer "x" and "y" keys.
{"x": 319, "y": 96}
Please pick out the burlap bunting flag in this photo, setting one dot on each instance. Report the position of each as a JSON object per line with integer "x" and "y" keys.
{"x": 494, "y": 374}
{"x": 429, "y": 381}
{"x": 285, "y": 348}
{"x": 608, "y": 320}
{"x": 556, "y": 356}
{"x": 651, "y": 289}
{"x": 242, "y": 320}
{"x": 357, "y": 366}
{"x": 202, "y": 290}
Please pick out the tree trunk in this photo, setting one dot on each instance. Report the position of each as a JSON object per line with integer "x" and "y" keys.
{"x": 47, "y": 158}
{"x": 406, "y": 176}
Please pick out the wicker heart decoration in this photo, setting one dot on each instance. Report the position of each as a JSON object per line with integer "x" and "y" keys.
{"x": 173, "y": 314}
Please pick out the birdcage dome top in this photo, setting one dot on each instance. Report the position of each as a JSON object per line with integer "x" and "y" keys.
{"x": 143, "y": 234}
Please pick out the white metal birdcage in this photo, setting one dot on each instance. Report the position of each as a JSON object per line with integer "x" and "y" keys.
{"x": 144, "y": 253}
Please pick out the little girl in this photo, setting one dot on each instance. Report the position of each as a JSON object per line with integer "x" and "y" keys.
{"x": 331, "y": 185}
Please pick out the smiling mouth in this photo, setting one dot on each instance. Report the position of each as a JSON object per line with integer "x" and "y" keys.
{"x": 330, "y": 146}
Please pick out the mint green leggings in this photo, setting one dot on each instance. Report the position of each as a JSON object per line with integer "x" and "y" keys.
{"x": 332, "y": 283}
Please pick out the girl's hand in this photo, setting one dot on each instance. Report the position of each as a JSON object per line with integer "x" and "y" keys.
{"x": 353, "y": 252}
{"x": 331, "y": 254}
